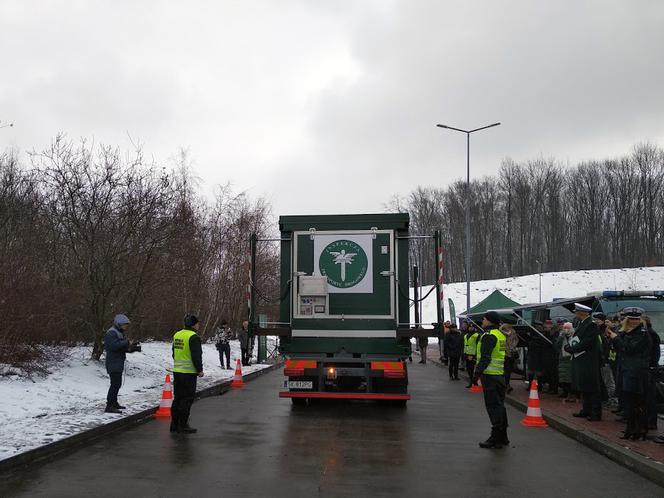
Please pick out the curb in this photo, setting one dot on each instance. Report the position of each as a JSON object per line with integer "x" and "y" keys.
{"x": 39, "y": 455}
{"x": 637, "y": 463}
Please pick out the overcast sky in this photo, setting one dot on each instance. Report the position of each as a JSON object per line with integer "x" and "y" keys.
{"x": 331, "y": 106}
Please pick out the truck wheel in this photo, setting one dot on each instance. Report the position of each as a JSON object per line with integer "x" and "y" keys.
{"x": 401, "y": 403}
{"x": 299, "y": 401}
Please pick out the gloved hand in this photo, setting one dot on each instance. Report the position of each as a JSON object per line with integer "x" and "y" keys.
{"x": 568, "y": 348}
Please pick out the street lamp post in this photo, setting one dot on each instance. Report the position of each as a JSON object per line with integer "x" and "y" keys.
{"x": 467, "y": 132}
{"x": 539, "y": 263}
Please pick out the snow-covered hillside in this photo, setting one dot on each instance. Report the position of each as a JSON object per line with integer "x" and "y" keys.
{"x": 554, "y": 285}
{"x": 73, "y": 397}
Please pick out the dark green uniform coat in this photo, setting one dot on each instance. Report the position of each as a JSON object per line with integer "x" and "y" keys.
{"x": 586, "y": 367}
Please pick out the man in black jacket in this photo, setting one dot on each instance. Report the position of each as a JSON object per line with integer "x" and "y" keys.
{"x": 453, "y": 344}
{"x": 491, "y": 367}
{"x": 586, "y": 354}
{"x": 187, "y": 367}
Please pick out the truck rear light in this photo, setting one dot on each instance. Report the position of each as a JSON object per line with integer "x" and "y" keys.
{"x": 295, "y": 368}
{"x": 331, "y": 373}
{"x": 391, "y": 369}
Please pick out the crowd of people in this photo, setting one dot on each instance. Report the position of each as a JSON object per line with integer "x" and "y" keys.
{"x": 608, "y": 362}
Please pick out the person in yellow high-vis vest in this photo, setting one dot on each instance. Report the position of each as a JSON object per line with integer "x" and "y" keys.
{"x": 187, "y": 367}
{"x": 491, "y": 368}
{"x": 469, "y": 352}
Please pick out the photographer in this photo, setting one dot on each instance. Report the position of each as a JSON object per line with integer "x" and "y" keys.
{"x": 117, "y": 346}
{"x": 222, "y": 339}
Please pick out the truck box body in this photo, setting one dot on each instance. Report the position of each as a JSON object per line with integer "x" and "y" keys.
{"x": 344, "y": 305}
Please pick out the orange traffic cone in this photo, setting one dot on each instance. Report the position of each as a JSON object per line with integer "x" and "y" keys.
{"x": 534, "y": 414}
{"x": 237, "y": 380}
{"x": 477, "y": 388}
{"x": 166, "y": 399}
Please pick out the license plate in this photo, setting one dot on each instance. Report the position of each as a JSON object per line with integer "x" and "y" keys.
{"x": 300, "y": 384}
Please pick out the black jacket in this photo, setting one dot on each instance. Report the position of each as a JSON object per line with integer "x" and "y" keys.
{"x": 453, "y": 343}
{"x": 655, "y": 350}
{"x": 635, "y": 357}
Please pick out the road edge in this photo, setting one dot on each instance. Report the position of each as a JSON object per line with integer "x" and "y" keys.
{"x": 637, "y": 463}
{"x": 48, "y": 451}
{"x": 644, "y": 466}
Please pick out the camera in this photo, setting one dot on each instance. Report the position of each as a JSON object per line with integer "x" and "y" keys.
{"x": 134, "y": 347}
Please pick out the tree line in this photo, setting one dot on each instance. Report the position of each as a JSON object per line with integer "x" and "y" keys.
{"x": 88, "y": 231}
{"x": 544, "y": 214}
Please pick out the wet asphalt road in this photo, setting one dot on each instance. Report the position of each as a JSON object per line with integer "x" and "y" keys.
{"x": 251, "y": 443}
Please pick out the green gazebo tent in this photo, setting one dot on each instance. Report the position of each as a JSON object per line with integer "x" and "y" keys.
{"x": 494, "y": 301}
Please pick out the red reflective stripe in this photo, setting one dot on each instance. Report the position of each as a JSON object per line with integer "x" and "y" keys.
{"x": 386, "y": 365}
{"x": 300, "y": 364}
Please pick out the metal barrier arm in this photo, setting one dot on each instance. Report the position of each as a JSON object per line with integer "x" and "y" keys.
{"x": 528, "y": 324}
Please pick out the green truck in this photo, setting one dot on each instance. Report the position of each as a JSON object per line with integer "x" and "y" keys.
{"x": 344, "y": 314}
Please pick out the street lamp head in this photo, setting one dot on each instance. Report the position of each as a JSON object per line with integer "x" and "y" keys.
{"x": 441, "y": 126}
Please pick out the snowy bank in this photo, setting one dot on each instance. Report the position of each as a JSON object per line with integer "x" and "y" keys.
{"x": 72, "y": 398}
{"x": 565, "y": 284}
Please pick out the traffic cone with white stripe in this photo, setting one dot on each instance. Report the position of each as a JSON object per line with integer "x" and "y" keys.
{"x": 238, "y": 383}
{"x": 477, "y": 388}
{"x": 166, "y": 399}
{"x": 534, "y": 414}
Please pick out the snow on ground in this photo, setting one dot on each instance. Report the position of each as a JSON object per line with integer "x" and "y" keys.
{"x": 72, "y": 398}
{"x": 525, "y": 289}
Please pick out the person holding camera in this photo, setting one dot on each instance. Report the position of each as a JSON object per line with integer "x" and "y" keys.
{"x": 117, "y": 346}
{"x": 222, "y": 343}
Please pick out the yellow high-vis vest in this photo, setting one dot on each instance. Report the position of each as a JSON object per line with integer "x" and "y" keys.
{"x": 182, "y": 362}
{"x": 497, "y": 363}
{"x": 470, "y": 344}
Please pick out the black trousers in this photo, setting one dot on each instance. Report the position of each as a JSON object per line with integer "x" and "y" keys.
{"x": 494, "y": 400}
{"x": 592, "y": 404}
{"x": 651, "y": 401}
{"x": 225, "y": 352}
{"x": 470, "y": 366}
{"x": 116, "y": 383}
{"x": 454, "y": 367}
{"x": 634, "y": 407}
{"x": 245, "y": 356}
{"x": 509, "y": 367}
{"x": 184, "y": 392}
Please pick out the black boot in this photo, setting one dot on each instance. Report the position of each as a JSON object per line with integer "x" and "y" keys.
{"x": 503, "y": 436}
{"x": 184, "y": 427}
{"x": 175, "y": 423}
{"x": 493, "y": 442}
{"x": 119, "y": 406}
{"x": 111, "y": 409}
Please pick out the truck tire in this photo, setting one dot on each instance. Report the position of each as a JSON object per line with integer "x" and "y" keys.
{"x": 299, "y": 401}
